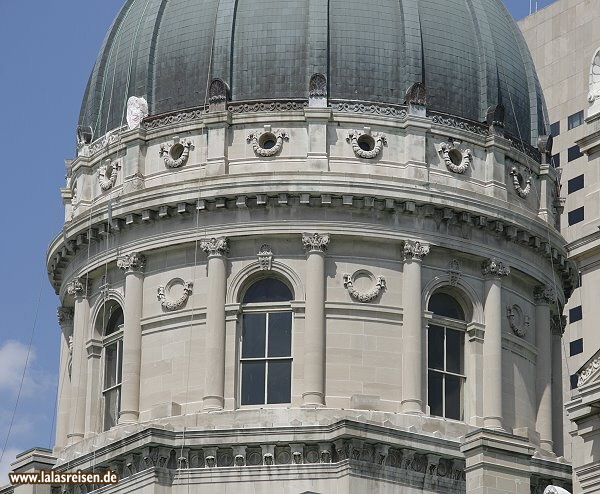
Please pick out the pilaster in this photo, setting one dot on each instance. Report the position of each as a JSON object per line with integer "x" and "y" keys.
{"x": 65, "y": 320}
{"x": 217, "y": 124}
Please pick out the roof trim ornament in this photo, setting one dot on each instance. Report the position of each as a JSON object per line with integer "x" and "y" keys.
{"x": 218, "y": 95}
{"x": 137, "y": 110}
{"x": 317, "y": 91}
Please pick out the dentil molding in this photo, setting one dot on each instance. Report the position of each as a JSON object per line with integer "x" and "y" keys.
{"x": 170, "y": 304}
{"x": 378, "y": 284}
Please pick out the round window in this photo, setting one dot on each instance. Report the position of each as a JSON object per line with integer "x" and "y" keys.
{"x": 267, "y": 140}
{"x": 366, "y": 142}
{"x": 455, "y": 156}
{"x": 176, "y": 151}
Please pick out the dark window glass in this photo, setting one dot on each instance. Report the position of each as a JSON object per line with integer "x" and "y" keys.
{"x": 573, "y": 153}
{"x": 555, "y": 129}
{"x": 575, "y": 314}
{"x": 112, "y": 405}
{"x": 435, "y": 347}
{"x": 280, "y": 334}
{"x": 555, "y": 160}
{"x": 253, "y": 335}
{"x": 575, "y": 120}
{"x": 445, "y": 305}
{"x": 453, "y": 386}
{"x": 253, "y": 382}
{"x": 279, "y": 384}
{"x": 115, "y": 320}
{"x": 579, "y": 280}
{"x": 113, "y": 377}
{"x": 434, "y": 388}
{"x": 575, "y": 184}
{"x": 268, "y": 290}
{"x": 454, "y": 346}
{"x": 576, "y": 216}
{"x": 576, "y": 347}
{"x": 574, "y": 379}
{"x": 111, "y": 362}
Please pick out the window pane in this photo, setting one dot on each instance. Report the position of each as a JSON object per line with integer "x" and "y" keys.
{"x": 445, "y": 305}
{"x": 120, "y": 362}
{"x": 112, "y": 405}
{"x": 454, "y": 349}
{"x": 115, "y": 320}
{"x": 435, "y": 394}
{"x": 453, "y": 399}
{"x": 280, "y": 334}
{"x": 573, "y": 153}
{"x": 575, "y": 314}
{"x": 253, "y": 383}
{"x": 435, "y": 347}
{"x": 576, "y": 216}
{"x": 555, "y": 129}
{"x": 575, "y": 184}
{"x": 575, "y": 120}
{"x": 555, "y": 160}
{"x": 576, "y": 347}
{"x": 110, "y": 366}
{"x": 253, "y": 335}
{"x": 268, "y": 290}
{"x": 279, "y": 386}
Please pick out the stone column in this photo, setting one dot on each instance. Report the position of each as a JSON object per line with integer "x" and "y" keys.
{"x": 543, "y": 297}
{"x": 412, "y": 329}
{"x": 559, "y": 323}
{"x": 314, "y": 332}
{"x": 65, "y": 319}
{"x": 214, "y": 385}
{"x": 493, "y": 271}
{"x": 78, "y": 288}
{"x": 133, "y": 264}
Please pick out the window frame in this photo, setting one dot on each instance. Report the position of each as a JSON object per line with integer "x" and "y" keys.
{"x": 575, "y": 120}
{"x": 265, "y": 308}
{"x": 115, "y": 338}
{"x": 572, "y": 151}
{"x": 573, "y": 216}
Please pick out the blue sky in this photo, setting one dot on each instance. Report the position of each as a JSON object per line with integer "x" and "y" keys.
{"x": 47, "y": 52}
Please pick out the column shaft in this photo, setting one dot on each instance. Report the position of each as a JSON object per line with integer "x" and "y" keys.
{"x": 543, "y": 378}
{"x": 64, "y": 379}
{"x": 492, "y": 355}
{"x": 412, "y": 340}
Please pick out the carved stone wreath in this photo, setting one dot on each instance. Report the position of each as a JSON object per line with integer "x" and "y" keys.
{"x": 175, "y": 154}
{"x": 375, "y": 141}
{"x": 521, "y": 191}
{"x": 378, "y": 284}
{"x": 259, "y": 141}
{"x": 107, "y": 175}
{"x": 457, "y": 161}
{"x": 519, "y": 323}
{"x": 170, "y": 305}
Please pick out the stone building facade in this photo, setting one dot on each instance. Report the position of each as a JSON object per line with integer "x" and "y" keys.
{"x": 317, "y": 273}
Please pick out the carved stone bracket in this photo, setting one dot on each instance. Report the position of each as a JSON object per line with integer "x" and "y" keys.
{"x": 107, "y": 174}
{"x": 519, "y": 189}
{"x": 544, "y": 294}
{"x": 378, "y": 284}
{"x": 457, "y": 161}
{"x": 265, "y": 257}
{"x": 315, "y": 241}
{"x": 366, "y": 144}
{"x": 177, "y": 153}
{"x": 519, "y": 323}
{"x": 414, "y": 250}
{"x": 268, "y": 143}
{"x": 493, "y": 267}
{"x": 215, "y": 246}
{"x": 130, "y": 263}
{"x": 171, "y": 305}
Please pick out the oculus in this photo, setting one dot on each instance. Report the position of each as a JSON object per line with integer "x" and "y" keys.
{"x": 365, "y": 144}
{"x": 268, "y": 143}
{"x": 373, "y": 286}
{"x": 522, "y": 186}
{"x": 107, "y": 175}
{"x": 519, "y": 323}
{"x": 175, "y": 288}
{"x": 175, "y": 154}
{"x": 457, "y": 161}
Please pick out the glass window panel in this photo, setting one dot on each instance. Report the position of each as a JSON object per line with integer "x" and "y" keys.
{"x": 115, "y": 321}
{"x": 110, "y": 363}
{"x": 268, "y": 290}
{"x": 576, "y": 216}
{"x": 453, "y": 397}
{"x": 120, "y": 362}
{"x": 253, "y": 383}
{"x": 280, "y": 334}
{"x": 445, "y": 305}
{"x": 112, "y": 405}
{"x": 435, "y": 348}
{"x": 279, "y": 386}
{"x": 253, "y": 335}
{"x": 454, "y": 349}
{"x": 434, "y": 392}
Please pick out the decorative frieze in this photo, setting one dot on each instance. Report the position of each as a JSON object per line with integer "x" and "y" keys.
{"x": 459, "y": 123}
{"x": 544, "y": 294}
{"x": 265, "y": 257}
{"x": 457, "y": 161}
{"x": 377, "y": 285}
{"x": 414, "y": 250}
{"x": 366, "y": 144}
{"x": 586, "y": 374}
{"x": 267, "y": 106}
{"x": 517, "y": 179}
{"x": 519, "y": 323}
{"x": 182, "y": 117}
{"x": 315, "y": 241}
{"x": 175, "y": 154}
{"x": 348, "y": 106}
{"x": 268, "y": 143}
{"x": 176, "y": 304}
{"x": 134, "y": 262}
{"x": 493, "y": 267}
{"x": 216, "y": 246}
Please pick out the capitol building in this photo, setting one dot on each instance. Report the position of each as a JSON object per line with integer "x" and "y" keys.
{"x": 311, "y": 247}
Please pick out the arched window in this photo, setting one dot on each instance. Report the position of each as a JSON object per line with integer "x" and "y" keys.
{"x": 111, "y": 322}
{"x": 445, "y": 357}
{"x": 266, "y": 346}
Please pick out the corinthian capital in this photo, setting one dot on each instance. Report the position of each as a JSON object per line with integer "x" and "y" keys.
{"x": 544, "y": 294}
{"x": 65, "y": 316}
{"x": 130, "y": 263}
{"x": 558, "y": 323}
{"x": 414, "y": 250}
{"x": 494, "y": 267}
{"x": 315, "y": 241}
{"x": 215, "y": 246}
{"x": 78, "y": 287}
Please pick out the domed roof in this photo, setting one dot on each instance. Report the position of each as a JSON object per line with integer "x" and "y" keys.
{"x": 470, "y": 54}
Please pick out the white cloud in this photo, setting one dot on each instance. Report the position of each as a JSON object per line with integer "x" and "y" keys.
{"x": 13, "y": 355}
{"x": 7, "y": 458}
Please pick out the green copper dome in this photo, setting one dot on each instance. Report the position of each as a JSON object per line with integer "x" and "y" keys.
{"x": 469, "y": 53}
